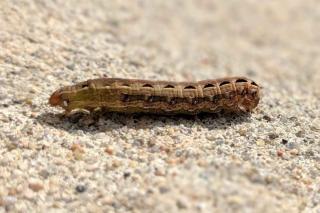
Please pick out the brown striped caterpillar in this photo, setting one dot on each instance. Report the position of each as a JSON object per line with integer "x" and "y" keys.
{"x": 235, "y": 94}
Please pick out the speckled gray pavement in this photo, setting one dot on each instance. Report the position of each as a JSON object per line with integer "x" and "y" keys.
{"x": 266, "y": 162}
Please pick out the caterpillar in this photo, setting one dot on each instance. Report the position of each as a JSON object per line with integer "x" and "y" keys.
{"x": 233, "y": 94}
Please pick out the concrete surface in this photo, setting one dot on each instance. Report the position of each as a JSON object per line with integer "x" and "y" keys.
{"x": 266, "y": 162}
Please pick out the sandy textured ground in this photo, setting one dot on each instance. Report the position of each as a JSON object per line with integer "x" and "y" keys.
{"x": 267, "y": 162}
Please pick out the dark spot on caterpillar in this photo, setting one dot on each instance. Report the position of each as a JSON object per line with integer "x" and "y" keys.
{"x": 147, "y": 85}
{"x": 84, "y": 85}
{"x": 172, "y": 101}
{"x": 125, "y": 85}
{"x": 208, "y": 86}
{"x": 190, "y": 87}
{"x": 208, "y": 99}
{"x": 254, "y": 83}
{"x": 224, "y": 83}
{"x": 125, "y": 97}
{"x": 136, "y": 97}
{"x": 200, "y": 100}
{"x": 244, "y": 91}
{"x": 241, "y": 80}
{"x": 156, "y": 99}
{"x": 177, "y": 100}
{"x": 216, "y": 98}
{"x": 159, "y": 98}
{"x": 169, "y": 86}
{"x": 150, "y": 98}
{"x": 253, "y": 93}
{"x": 195, "y": 101}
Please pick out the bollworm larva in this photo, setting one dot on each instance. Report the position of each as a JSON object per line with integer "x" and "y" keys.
{"x": 235, "y": 94}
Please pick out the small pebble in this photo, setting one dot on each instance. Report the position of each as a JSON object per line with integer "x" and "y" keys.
{"x": 202, "y": 163}
{"x": 210, "y": 136}
{"x": 181, "y": 204}
{"x": 2, "y": 203}
{"x": 151, "y": 142}
{"x": 284, "y": 141}
{"x": 163, "y": 189}
{"x": 44, "y": 173}
{"x": 36, "y": 186}
{"x": 273, "y": 136}
{"x": 56, "y": 205}
{"x": 77, "y": 151}
{"x": 243, "y": 131}
{"x": 159, "y": 172}
{"x": 81, "y": 188}
{"x": 300, "y": 133}
{"x": 116, "y": 163}
{"x": 174, "y": 161}
{"x": 13, "y": 191}
{"x": 28, "y": 101}
{"x": 11, "y": 146}
{"x": 292, "y": 145}
{"x": 126, "y": 175}
{"x": 280, "y": 153}
{"x": 7, "y": 200}
{"x": 86, "y": 121}
{"x": 109, "y": 150}
{"x": 293, "y": 118}
{"x": 315, "y": 125}
{"x": 267, "y": 118}
{"x": 219, "y": 141}
{"x": 294, "y": 152}
{"x": 260, "y": 142}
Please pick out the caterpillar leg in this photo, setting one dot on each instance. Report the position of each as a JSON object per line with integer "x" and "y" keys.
{"x": 92, "y": 110}
{"x": 67, "y": 113}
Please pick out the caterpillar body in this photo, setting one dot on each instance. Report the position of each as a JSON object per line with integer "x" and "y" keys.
{"x": 234, "y": 94}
